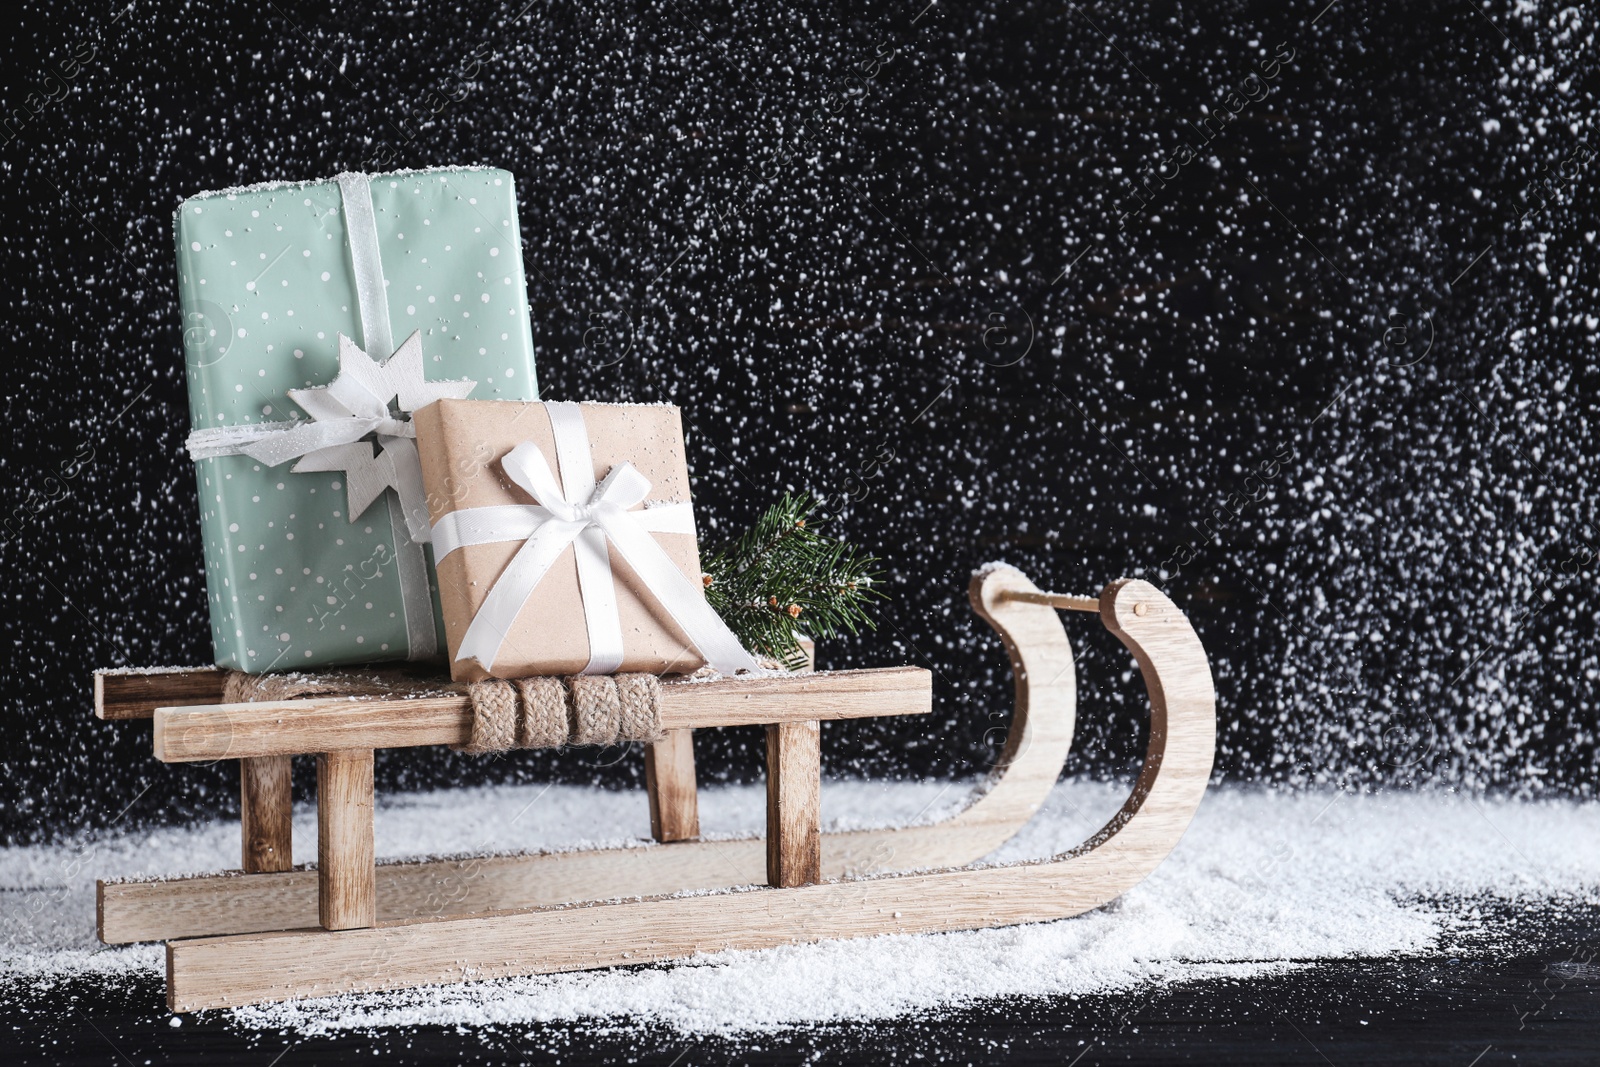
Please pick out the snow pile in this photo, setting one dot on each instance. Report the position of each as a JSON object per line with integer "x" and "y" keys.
{"x": 1262, "y": 880}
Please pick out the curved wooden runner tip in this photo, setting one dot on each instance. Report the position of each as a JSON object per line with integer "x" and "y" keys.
{"x": 1183, "y": 738}
{"x": 1172, "y": 779}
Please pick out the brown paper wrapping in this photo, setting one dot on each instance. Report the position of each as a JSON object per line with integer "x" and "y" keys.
{"x": 461, "y": 442}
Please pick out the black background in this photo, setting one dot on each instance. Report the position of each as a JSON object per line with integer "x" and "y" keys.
{"x": 1333, "y": 388}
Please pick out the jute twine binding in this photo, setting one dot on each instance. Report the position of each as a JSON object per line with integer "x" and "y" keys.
{"x": 552, "y": 712}
{"x": 525, "y": 713}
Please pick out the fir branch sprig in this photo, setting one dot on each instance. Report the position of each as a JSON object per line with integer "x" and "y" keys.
{"x": 782, "y": 578}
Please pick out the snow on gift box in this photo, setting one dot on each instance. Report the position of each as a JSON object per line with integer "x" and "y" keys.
{"x": 354, "y": 300}
{"x": 565, "y": 541}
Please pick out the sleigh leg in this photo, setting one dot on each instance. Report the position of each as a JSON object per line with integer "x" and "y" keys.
{"x": 346, "y": 866}
{"x": 266, "y": 814}
{"x": 794, "y": 803}
{"x": 670, "y": 781}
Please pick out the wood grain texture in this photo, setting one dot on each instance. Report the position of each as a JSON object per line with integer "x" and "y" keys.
{"x": 311, "y": 725}
{"x": 1064, "y": 601}
{"x": 256, "y": 968}
{"x": 251, "y": 968}
{"x": 794, "y": 803}
{"x": 1036, "y": 746}
{"x": 266, "y": 814}
{"x": 232, "y": 902}
{"x": 346, "y": 873}
{"x": 307, "y": 726}
{"x": 669, "y": 779}
{"x": 136, "y": 695}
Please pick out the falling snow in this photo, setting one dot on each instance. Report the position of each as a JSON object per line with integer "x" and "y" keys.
{"x": 1291, "y": 315}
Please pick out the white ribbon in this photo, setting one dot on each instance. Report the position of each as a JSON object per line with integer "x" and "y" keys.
{"x": 352, "y": 406}
{"x": 592, "y": 519}
{"x": 372, "y": 293}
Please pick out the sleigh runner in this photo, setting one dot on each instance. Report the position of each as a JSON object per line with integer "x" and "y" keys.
{"x": 270, "y": 932}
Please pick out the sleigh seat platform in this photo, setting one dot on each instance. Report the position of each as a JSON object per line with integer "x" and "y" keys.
{"x": 271, "y": 931}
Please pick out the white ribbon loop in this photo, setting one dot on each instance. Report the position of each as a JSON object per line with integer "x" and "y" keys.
{"x": 592, "y": 524}
{"x": 526, "y": 466}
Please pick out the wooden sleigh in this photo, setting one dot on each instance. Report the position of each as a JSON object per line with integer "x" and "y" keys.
{"x": 271, "y": 933}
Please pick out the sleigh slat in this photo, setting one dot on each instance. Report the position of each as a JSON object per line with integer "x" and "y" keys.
{"x": 137, "y": 694}
{"x": 327, "y": 724}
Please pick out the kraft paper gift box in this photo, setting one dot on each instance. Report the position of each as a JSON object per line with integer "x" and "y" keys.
{"x": 566, "y": 542}
{"x": 295, "y": 298}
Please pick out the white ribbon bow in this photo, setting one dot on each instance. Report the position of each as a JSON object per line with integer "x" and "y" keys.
{"x": 590, "y": 518}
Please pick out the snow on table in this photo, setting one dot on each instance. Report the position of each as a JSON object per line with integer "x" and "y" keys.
{"x": 1263, "y": 881}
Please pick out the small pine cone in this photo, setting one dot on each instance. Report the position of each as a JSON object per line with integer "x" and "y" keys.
{"x": 706, "y": 580}
{"x": 772, "y": 601}
{"x": 794, "y": 611}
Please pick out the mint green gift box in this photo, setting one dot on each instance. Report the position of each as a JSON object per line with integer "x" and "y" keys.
{"x": 269, "y": 278}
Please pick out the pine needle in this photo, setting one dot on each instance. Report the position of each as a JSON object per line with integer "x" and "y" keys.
{"x": 781, "y": 579}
